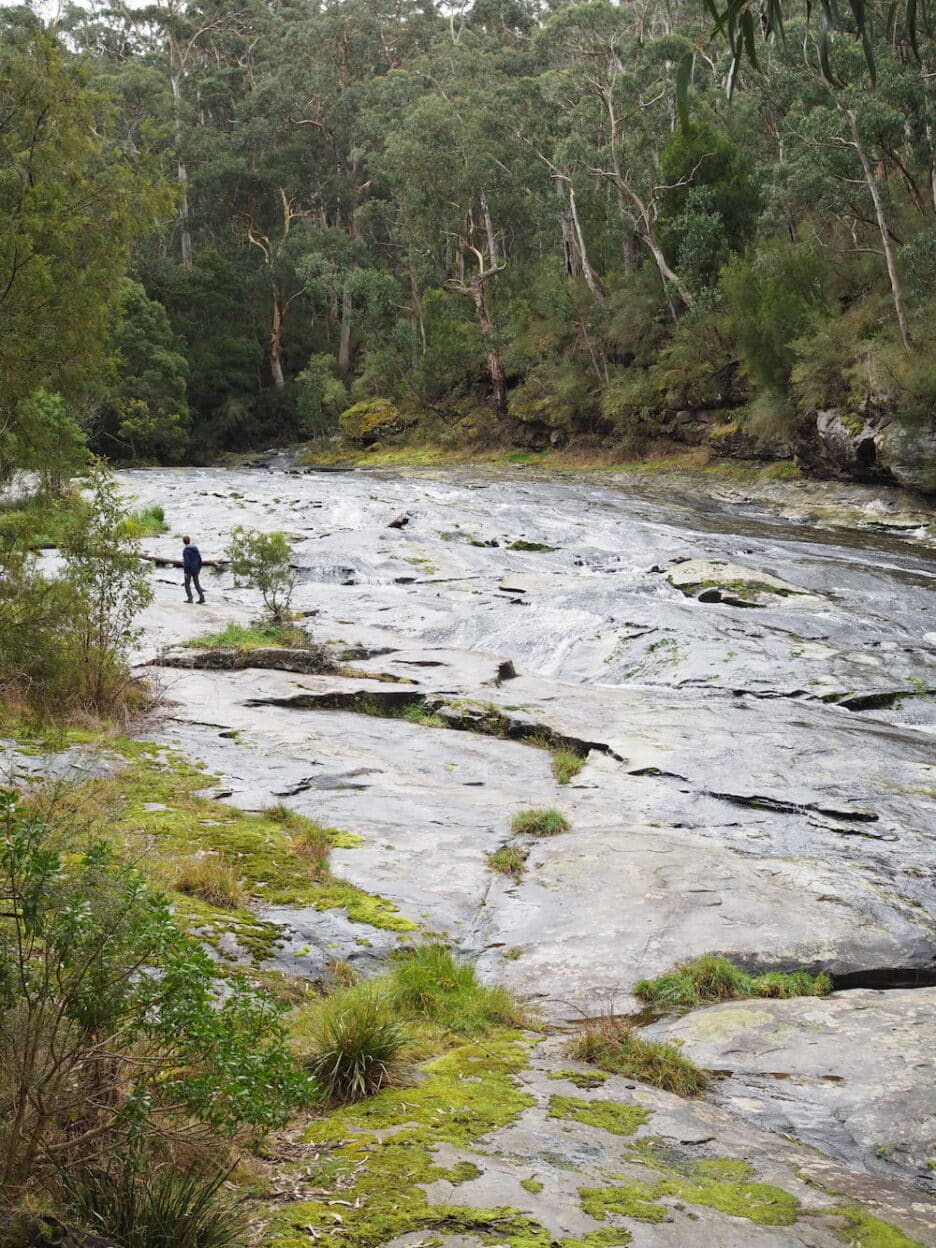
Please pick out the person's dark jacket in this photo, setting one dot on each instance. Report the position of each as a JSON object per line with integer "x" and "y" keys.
{"x": 191, "y": 560}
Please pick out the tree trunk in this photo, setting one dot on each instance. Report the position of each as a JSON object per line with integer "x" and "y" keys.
{"x": 181, "y": 174}
{"x": 495, "y": 364}
{"x": 893, "y": 273}
{"x": 344, "y": 332}
{"x": 591, "y": 281}
{"x": 276, "y": 342}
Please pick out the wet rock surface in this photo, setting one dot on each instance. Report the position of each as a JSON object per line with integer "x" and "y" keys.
{"x": 851, "y": 1074}
{"x": 758, "y": 783}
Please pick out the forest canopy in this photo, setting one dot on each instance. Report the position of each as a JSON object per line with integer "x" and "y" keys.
{"x": 251, "y": 219}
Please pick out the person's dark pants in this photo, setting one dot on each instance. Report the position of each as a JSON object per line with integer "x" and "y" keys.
{"x": 191, "y": 578}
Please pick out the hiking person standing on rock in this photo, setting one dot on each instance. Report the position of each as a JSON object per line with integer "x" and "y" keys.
{"x": 191, "y": 566}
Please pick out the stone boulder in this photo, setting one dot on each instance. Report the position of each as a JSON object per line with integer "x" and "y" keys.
{"x": 366, "y": 423}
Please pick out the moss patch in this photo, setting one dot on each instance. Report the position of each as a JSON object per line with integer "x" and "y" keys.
{"x": 581, "y": 1078}
{"x": 609, "y": 1115}
{"x": 154, "y": 805}
{"x": 458, "y": 1098}
{"x": 531, "y": 1185}
{"x": 613, "y": 1237}
{"x": 863, "y": 1231}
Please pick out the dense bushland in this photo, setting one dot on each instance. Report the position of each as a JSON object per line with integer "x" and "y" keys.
{"x": 479, "y": 229}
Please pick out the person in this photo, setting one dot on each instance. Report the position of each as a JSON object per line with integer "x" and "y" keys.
{"x": 191, "y": 566}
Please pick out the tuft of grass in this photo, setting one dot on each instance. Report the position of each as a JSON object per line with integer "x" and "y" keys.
{"x": 148, "y": 522}
{"x": 547, "y": 822}
{"x": 565, "y": 765}
{"x": 508, "y": 860}
{"x": 155, "y": 1208}
{"x": 210, "y": 879}
{"x": 612, "y": 1045}
{"x": 313, "y": 843}
{"x": 256, "y": 636}
{"x": 711, "y": 978}
{"x": 357, "y": 1044}
{"x": 429, "y": 983}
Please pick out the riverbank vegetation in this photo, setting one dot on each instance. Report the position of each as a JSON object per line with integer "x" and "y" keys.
{"x": 710, "y": 978}
{"x": 549, "y": 228}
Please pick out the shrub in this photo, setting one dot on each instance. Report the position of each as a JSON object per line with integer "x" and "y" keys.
{"x": 565, "y": 765}
{"x": 547, "y": 822}
{"x": 508, "y": 860}
{"x": 161, "y": 1209}
{"x": 430, "y": 983}
{"x": 210, "y": 879}
{"x": 95, "y": 974}
{"x": 712, "y": 978}
{"x": 357, "y": 1044}
{"x": 149, "y": 522}
{"x": 615, "y": 1047}
{"x": 261, "y": 560}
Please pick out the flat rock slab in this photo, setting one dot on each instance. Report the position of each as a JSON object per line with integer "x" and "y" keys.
{"x": 853, "y": 1074}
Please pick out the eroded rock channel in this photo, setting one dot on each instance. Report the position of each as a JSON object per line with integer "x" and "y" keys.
{"x": 754, "y": 701}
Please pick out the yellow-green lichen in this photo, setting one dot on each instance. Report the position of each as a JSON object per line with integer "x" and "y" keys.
{"x": 534, "y": 1186}
{"x": 609, "y": 1115}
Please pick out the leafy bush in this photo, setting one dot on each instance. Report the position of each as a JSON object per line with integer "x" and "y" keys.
{"x": 615, "y": 1047}
{"x": 113, "y": 1027}
{"x": 164, "y": 1208}
{"x": 711, "y": 978}
{"x": 357, "y": 1044}
{"x": 210, "y": 879}
{"x": 65, "y": 639}
{"x": 430, "y": 983}
{"x": 547, "y": 822}
{"x": 261, "y": 560}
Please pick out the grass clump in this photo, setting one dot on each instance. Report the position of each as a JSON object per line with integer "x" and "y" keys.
{"x": 157, "y": 1209}
{"x": 148, "y": 522}
{"x": 430, "y": 984}
{"x": 613, "y": 1046}
{"x": 565, "y": 765}
{"x": 509, "y": 860}
{"x": 210, "y": 879}
{"x": 546, "y": 822}
{"x": 711, "y": 978}
{"x": 256, "y": 636}
{"x": 357, "y": 1044}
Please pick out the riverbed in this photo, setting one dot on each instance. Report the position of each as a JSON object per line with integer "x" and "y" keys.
{"x": 752, "y": 684}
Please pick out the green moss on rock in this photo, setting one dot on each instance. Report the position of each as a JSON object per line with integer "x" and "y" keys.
{"x": 609, "y": 1115}
{"x": 366, "y": 423}
{"x": 581, "y": 1078}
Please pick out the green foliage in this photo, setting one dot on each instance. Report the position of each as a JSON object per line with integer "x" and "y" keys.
{"x": 321, "y": 396}
{"x": 430, "y": 983}
{"x": 711, "y": 978}
{"x": 357, "y": 1045}
{"x": 65, "y": 639}
{"x": 148, "y": 522}
{"x": 48, "y": 440}
{"x": 147, "y": 415}
{"x": 252, "y": 637}
{"x": 615, "y": 1047}
{"x": 772, "y": 300}
{"x": 165, "y": 1208}
{"x": 261, "y": 560}
{"x": 546, "y": 822}
{"x": 92, "y": 961}
{"x": 70, "y": 207}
